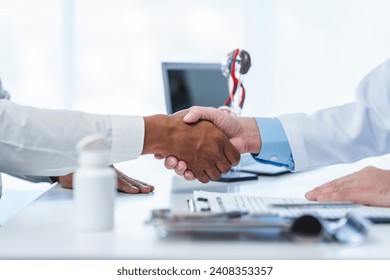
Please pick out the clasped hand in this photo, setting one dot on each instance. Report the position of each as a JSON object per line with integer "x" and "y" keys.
{"x": 204, "y": 148}
{"x": 369, "y": 186}
{"x": 242, "y": 132}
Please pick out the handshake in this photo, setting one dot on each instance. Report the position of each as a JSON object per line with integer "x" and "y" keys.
{"x": 200, "y": 142}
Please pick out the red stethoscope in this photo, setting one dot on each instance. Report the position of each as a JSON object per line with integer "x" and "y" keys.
{"x": 237, "y": 65}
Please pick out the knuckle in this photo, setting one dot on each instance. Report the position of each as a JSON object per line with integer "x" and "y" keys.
{"x": 334, "y": 185}
{"x": 194, "y": 109}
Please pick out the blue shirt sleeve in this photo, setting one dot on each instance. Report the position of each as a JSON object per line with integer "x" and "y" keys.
{"x": 275, "y": 148}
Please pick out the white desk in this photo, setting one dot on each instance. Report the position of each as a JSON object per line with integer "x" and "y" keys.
{"x": 44, "y": 230}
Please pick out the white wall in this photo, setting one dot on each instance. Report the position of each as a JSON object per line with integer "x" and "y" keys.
{"x": 121, "y": 47}
{"x": 323, "y": 49}
{"x": 104, "y": 56}
{"x": 30, "y": 53}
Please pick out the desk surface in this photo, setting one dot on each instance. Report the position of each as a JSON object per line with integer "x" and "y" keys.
{"x": 44, "y": 230}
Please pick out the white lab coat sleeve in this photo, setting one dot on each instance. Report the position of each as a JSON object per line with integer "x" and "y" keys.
{"x": 344, "y": 133}
{"x": 41, "y": 142}
{"x": 34, "y": 179}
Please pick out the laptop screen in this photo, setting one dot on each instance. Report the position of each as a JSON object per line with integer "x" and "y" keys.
{"x": 188, "y": 84}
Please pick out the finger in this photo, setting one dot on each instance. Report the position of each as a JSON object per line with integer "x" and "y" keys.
{"x": 352, "y": 191}
{"x": 131, "y": 185}
{"x": 203, "y": 177}
{"x": 314, "y": 193}
{"x": 181, "y": 167}
{"x": 189, "y": 176}
{"x": 329, "y": 197}
{"x": 157, "y": 156}
{"x": 126, "y": 188}
{"x": 357, "y": 192}
{"x": 223, "y": 166}
{"x": 335, "y": 197}
{"x": 328, "y": 187}
{"x": 231, "y": 154}
{"x": 171, "y": 162}
{"x": 332, "y": 190}
{"x": 213, "y": 173}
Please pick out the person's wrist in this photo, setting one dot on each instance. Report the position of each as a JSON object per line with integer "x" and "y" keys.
{"x": 251, "y": 135}
{"x": 155, "y": 134}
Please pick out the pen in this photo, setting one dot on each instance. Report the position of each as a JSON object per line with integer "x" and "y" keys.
{"x": 202, "y": 215}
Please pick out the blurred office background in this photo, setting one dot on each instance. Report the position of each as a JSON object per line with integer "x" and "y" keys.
{"x": 105, "y": 56}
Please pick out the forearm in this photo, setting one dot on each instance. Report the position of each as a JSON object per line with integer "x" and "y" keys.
{"x": 42, "y": 142}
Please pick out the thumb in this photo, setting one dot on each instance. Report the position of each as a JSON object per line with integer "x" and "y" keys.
{"x": 199, "y": 113}
{"x": 191, "y": 117}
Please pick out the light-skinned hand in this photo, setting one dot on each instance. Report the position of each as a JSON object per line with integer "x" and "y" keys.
{"x": 369, "y": 186}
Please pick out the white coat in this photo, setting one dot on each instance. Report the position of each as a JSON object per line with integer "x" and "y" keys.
{"x": 344, "y": 133}
{"x": 42, "y": 142}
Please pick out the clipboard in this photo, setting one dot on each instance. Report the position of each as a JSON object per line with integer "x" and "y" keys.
{"x": 224, "y": 215}
{"x": 222, "y": 225}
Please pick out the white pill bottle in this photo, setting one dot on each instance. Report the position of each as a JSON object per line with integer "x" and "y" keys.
{"x": 94, "y": 185}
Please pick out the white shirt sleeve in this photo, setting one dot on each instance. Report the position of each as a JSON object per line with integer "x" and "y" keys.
{"x": 344, "y": 133}
{"x": 42, "y": 142}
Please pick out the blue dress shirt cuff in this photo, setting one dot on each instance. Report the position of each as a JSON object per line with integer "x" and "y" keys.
{"x": 275, "y": 148}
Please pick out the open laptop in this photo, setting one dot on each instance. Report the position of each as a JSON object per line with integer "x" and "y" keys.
{"x": 188, "y": 84}
{"x": 203, "y": 84}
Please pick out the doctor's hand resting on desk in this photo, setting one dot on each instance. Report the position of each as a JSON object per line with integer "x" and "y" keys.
{"x": 370, "y": 186}
{"x": 341, "y": 134}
